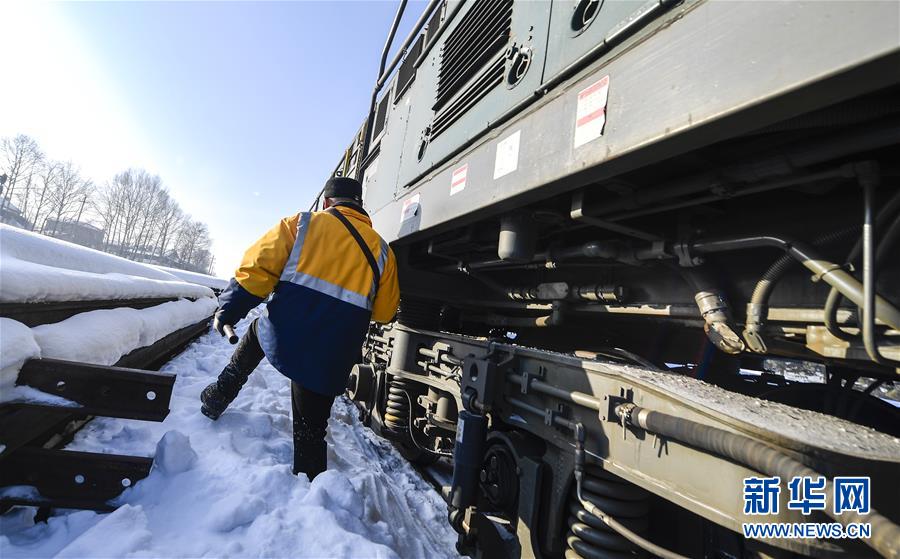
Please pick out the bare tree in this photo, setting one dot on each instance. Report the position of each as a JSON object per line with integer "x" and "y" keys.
{"x": 169, "y": 219}
{"x": 105, "y": 205}
{"x": 192, "y": 245}
{"x": 67, "y": 193}
{"x": 143, "y": 222}
{"x": 138, "y": 215}
{"x": 37, "y": 213}
{"x": 20, "y": 159}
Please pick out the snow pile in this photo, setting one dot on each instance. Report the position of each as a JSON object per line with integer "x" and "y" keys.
{"x": 225, "y": 488}
{"x": 193, "y": 277}
{"x": 104, "y": 336}
{"x": 38, "y": 268}
{"x": 101, "y": 337}
{"x": 174, "y": 453}
{"x": 17, "y": 345}
{"x": 41, "y": 249}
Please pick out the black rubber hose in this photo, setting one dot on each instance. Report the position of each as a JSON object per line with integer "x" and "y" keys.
{"x": 829, "y": 272}
{"x": 767, "y": 281}
{"x": 757, "y": 309}
{"x": 764, "y": 459}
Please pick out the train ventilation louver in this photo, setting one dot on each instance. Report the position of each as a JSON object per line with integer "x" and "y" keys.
{"x": 488, "y": 80}
{"x": 434, "y": 24}
{"x": 477, "y": 42}
{"x": 407, "y": 70}
{"x": 380, "y": 116}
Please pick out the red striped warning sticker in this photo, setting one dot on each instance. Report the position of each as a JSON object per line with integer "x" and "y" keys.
{"x": 458, "y": 179}
{"x": 590, "y": 114}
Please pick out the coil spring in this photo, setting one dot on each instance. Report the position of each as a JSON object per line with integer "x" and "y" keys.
{"x": 588, "y": 537}
{"x": 397, "y": 409}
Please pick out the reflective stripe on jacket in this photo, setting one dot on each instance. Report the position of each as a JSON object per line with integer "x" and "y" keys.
{"x": 323, "y": 295}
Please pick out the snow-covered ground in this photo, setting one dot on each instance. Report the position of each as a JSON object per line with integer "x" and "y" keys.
{"x": 225, "y": 488}
{"x": 37, "y": 268}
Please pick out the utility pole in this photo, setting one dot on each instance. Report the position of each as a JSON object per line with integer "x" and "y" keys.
{"x": 81, "y": 209}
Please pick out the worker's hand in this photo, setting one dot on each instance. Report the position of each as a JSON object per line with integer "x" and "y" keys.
{"x": 219, "y": 324}
{"x": 224, "y": 328}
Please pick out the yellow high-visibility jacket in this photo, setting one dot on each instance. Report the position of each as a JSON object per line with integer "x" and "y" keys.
{"x": 323, "y": 294}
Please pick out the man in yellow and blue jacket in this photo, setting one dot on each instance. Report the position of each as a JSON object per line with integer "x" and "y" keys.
{"x": 328, "y": 273}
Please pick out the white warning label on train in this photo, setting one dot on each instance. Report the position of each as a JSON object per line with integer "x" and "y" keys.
{"x": 410, "y": 207}
{"x": 458, "y": 179}
{"x": 507, "y": 159}
{"x": 590, "y": 114}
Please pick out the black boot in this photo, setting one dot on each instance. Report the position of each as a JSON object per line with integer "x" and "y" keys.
{"x": 310, "y": 412}
{"x": 244, "y": 360}
{"x": 218, "y": 395}
{"x": 310, "y": 449}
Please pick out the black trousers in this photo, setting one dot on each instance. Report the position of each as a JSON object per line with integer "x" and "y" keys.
{"x": 310, "y": 410}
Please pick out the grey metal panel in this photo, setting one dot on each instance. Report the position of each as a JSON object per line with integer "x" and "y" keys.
{"x": 379, "y": 182}
{"x": 700, "y": 64}
{"x": 529, "y": 26}
{"x": 565, "y": 44}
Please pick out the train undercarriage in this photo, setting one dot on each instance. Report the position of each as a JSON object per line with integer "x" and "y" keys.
{"x": 747, "y": 288}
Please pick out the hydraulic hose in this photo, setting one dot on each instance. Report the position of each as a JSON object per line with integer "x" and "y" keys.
{"x": 762, "y": 458}
{"x": 758, "y": 307}
{"x": 829, "y": 272}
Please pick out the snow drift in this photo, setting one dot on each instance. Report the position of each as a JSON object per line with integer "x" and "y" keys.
{"x": 193, "y": 277}
{"x": 99, "y": 337}
{"x": 36, "y": 268}
{"x": 103, "y": 337}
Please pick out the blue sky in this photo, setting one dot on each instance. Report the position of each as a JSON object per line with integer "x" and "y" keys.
{"x": 243, "y": 108}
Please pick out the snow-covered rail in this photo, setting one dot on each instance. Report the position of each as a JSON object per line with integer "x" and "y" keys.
{"x": 81, "y": 332}
{"x": 35, "y": 472}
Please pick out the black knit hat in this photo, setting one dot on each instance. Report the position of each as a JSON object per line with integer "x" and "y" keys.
{"x": 343, "y": 187}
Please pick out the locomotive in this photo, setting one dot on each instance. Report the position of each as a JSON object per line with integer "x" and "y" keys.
{"x": 648, "y": 251}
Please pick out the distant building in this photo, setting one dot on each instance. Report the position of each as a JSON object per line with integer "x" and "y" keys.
{"x": 77, "y": 232}
{"x": 12, "y": 215}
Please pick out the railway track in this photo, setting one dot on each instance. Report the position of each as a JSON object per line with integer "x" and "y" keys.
{"x": 33, "y": 468}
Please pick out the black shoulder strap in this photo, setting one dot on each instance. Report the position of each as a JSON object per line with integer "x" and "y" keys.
{"x": 362, "y": 244}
